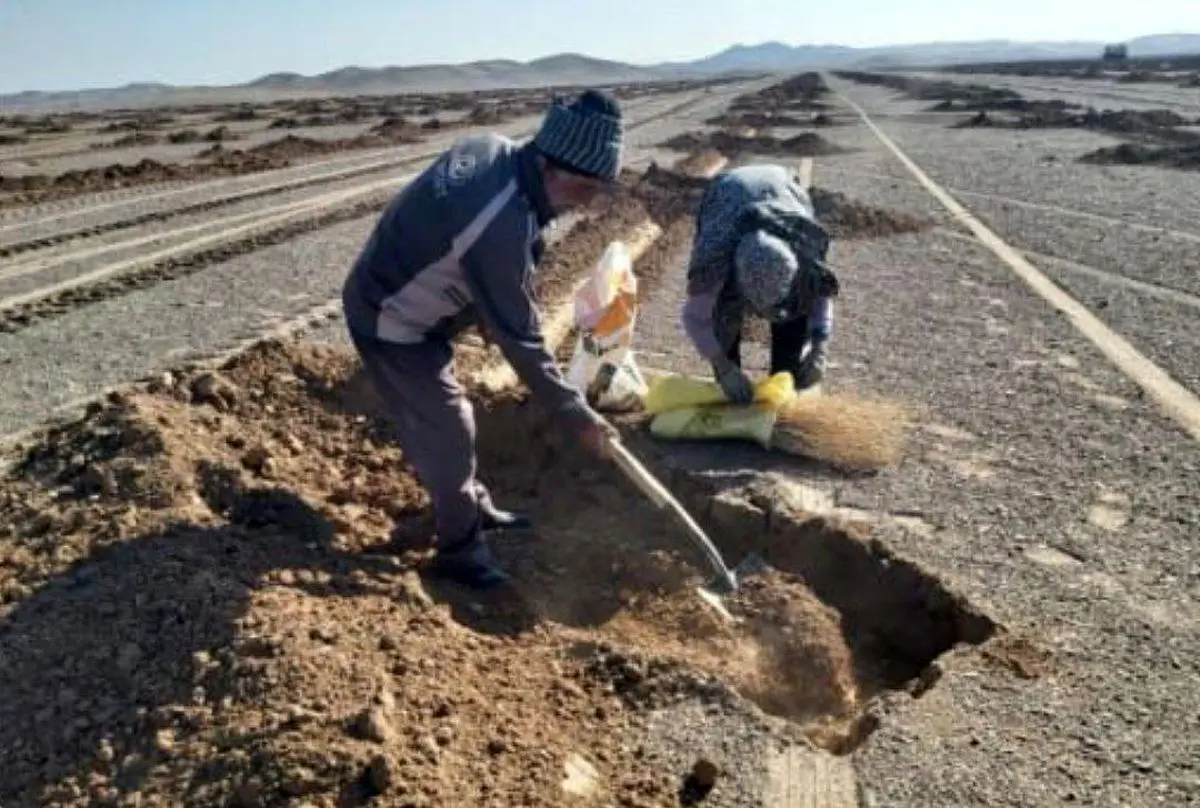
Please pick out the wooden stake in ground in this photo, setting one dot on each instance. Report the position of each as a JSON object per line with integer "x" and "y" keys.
{"x": 843, "y": 429}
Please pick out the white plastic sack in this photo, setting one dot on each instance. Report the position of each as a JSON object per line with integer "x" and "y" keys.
{"x": 605, "y": 313}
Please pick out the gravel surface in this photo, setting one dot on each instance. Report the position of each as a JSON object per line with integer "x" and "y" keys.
{"x": 1164, "y": 330}
{"x": 736, "y": 740}
{"x": 1013, "y": 163}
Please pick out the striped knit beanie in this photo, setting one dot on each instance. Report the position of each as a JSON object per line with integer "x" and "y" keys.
{"x": 585, "y": 136}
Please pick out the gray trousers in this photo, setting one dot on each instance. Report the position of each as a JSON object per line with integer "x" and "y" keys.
{"x": 436, "y": 426}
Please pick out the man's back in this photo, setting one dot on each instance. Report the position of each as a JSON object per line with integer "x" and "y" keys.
{"x": 408, "y": 280}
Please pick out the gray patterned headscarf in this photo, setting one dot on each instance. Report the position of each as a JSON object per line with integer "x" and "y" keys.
{"x": 766, "y": 267}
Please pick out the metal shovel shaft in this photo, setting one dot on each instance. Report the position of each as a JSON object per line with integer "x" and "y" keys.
{"x": 662, "y": 498}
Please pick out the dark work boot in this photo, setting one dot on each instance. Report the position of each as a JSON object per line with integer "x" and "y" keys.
{"x": 470, "y": 563}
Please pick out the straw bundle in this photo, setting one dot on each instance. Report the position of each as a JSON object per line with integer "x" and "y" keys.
{"x": 843, "y": 429}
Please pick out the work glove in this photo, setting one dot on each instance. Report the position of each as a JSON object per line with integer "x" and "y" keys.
{"x": 734, "y": 382}
{"x": 812, "y": 367}
{"x": 591, "y": 430}
{"x": 597, "y": 436}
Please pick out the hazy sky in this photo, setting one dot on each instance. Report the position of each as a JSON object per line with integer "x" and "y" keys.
{"x": 67, "y": 44}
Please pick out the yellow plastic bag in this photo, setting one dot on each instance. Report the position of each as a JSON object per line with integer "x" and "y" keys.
{"x": 675, "y": 392}
{"x": 752, "y": 422}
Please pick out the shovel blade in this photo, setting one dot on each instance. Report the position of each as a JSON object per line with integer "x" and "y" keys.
{"x": 753, "y": 564}
{"x": 712, "y": 593}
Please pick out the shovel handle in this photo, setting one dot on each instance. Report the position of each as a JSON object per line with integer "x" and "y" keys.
{"x": 639, "y": 475}
{"x": 657, "y": 493}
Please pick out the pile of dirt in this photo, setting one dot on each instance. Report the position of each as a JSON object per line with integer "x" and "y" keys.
{"x": 202, "y": 597}
{"x": 49, "y": 125}
{"x": 1155, "y": 123}
{"x": 1185, "y": 156}
{"x": 31, "y": 188}
{"x": 801, "y": 91}
{"x": 215, "y": 161}
{"x": 217, "y": 134}
{"x": 847, "y": 219}
{"x": 141, "y": 122}
{"x": 241, "y": 113}
{"x": 1005, "y": 102}
{"x": 734, "y": 144}
{"x": 965, "y": 96}
{"x": 790, "y": 656}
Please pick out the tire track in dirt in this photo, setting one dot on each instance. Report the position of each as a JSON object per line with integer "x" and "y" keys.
{"x": 22, "y": 311}
{"x": 1155, "y": 290}
{"x": 17, "y": 248}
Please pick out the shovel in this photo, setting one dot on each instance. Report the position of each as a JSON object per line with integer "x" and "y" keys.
{"x": 727, "y": 580}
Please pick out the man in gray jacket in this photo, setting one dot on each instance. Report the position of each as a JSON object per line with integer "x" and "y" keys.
{"x": 758, "y": 249}
{"x": 459, "y": 246}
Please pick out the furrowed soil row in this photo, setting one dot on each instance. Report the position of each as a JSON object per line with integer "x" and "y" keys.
{"x": 106, "y": 200}
{"x": 253, "y": 193}
{"x": 1157, "y": 137}
{"x": 10, "y": 250}
{"x": 103, "y": 203}
{"x": 22, "y": 316}
{"x": 269, "y": 156}
{"x": 219, "y": 162}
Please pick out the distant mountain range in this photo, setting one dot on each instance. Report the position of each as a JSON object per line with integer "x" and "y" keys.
{"x": 576, "y": 69}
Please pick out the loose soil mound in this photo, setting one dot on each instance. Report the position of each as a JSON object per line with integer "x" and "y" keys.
{"x": 760, "y": 120}
{"x": 215, "y": 161}
{"x": 200, "y": 604}
{"x": 1138, "y": 154}
{"x": 732, "y": 144}
{"x": 847, "y": 219}
{"x": 1155, "y": 123}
